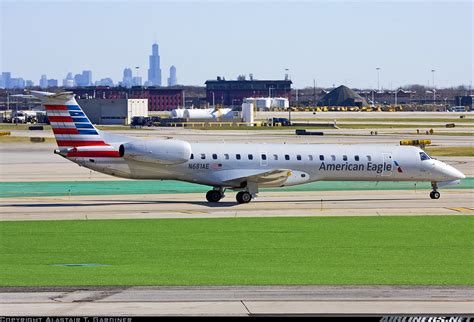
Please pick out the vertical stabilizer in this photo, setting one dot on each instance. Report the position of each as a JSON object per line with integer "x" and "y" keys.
{"x": 71, "y": 126}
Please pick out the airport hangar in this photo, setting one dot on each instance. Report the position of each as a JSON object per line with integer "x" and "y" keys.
{"x": 114, "y": 111}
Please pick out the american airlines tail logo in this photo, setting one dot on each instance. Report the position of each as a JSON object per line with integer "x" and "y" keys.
{"x": 399, "y": 169}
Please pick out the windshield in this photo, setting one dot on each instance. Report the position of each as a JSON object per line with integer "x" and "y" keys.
{"x": 424, "y": 156}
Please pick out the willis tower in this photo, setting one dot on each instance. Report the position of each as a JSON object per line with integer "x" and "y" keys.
{"x": 154, "y": 72}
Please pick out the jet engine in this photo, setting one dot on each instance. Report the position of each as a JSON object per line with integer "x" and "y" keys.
{"x": 166, "y": 152}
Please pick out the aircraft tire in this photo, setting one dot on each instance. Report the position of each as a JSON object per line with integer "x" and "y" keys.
{"x": 434, "y": 195}
{"x": 213, "y": 196}
{"x": 243, "y": 197}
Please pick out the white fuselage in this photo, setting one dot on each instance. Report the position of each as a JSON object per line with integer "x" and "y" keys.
{"x": 230, "y": 165}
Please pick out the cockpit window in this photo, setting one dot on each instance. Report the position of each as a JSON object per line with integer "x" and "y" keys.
{"x": 424, "y": 156}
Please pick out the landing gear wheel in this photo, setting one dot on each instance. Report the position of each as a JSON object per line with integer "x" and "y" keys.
{"x": 243, "y": 197}
{"x": 214, "y": 196}
{"x": 434, "y": 195}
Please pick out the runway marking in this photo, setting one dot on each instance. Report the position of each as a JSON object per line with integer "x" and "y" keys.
{"x": 461, "y": 209}
{"x": 193, "y": 212}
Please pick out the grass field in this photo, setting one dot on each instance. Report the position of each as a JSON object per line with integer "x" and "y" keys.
{"x": 385, "y": 120}
{"x": 452, "y": 151}
{"x": 428, "y": 250}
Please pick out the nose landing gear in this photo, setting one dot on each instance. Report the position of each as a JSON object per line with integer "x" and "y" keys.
{"x": 434, "y": 194}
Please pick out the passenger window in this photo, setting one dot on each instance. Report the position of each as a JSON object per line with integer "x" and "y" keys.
{"x": 333, "y": 157}
{"x": 214, "y": 156}
{"x": 344, "y": 158}
{"x": 310, "y": 157}
{"x": 203, "y": 156}
{"x": 321, "y": 157}
{"x": 287, "y": 157}
{"x": 275, "y": 157}
{"x": 298, "y": 157}
{"x": 237, "y": 156}
{"x": 424, "y": 156}
{"x": 226, "y": 156}
{"x": 264, "y": 156}
{"x": 250, "y": 156}
{"x": 192, "y": 156}
{"x": 356, "y": 158}
{"x": 369, "y": 158}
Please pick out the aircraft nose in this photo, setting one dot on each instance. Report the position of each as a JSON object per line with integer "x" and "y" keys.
{"x": 454, "y": 173}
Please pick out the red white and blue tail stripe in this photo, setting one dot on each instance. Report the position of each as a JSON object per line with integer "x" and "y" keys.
{"x": 71, "y": 127}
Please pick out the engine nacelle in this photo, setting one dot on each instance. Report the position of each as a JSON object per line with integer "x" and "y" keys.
{"x": 164, "y": 152}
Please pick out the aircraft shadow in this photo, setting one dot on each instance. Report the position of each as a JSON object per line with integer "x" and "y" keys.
{"x": 224, "y": 204}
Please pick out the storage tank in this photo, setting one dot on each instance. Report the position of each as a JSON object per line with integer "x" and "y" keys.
{"x": 248, "y": 112}
{"x": 208, "y": 113}
{"x": 198, "y": 114}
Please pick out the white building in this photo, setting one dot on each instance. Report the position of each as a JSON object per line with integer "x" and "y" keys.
{"x": 265, "y": 103}
{"x": 114, "y": 111}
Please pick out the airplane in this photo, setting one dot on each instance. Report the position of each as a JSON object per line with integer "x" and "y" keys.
{"x": 236, "y": 166}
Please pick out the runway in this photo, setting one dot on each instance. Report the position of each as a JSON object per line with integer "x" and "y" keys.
{"x": 268, "y": 204}
{"x": 238, "y": 300}
{"x": 27, "y": 162}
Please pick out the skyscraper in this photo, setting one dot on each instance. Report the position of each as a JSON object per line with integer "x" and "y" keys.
{"x": 172, "y": 80}
{"x": 87, "y": 77}
{"x": 154, "y": 72}
{"x": 84, "y": 79}
{"x": 6, "y": 80}
{"x": 69, "y": 81}
{"x": 127, "y": 80}
{"x": 43, "y": 81}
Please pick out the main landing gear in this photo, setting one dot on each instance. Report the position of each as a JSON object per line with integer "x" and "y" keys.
{"x": 215, "y": 195}
{"x": 243, "y": 197}
{"x": 434, "y": 194}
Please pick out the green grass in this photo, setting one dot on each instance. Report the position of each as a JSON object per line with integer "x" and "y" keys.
{"x": 427, "y": 250}
{"x": 341, "y": 125}
{"x": 11, "y": 127}
{"x": 395, "y": 126}
{"x": 452, "y": 133}
{"x": 384, "y": 120}
{"x": 454, "y": 151}
{"x": 23, "y": 139}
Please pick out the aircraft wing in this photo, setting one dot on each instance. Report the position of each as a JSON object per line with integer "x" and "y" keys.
{"x": 274, "y": 177}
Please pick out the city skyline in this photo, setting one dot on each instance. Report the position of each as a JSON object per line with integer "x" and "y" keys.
{"x": 330, "y": 43}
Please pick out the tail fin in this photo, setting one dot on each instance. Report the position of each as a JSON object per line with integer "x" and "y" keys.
{"x": 70, "y": 124}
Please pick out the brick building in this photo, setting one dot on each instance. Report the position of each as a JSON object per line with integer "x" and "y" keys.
{"x": 232, "y": 92}
{"x": 159, "y": 99}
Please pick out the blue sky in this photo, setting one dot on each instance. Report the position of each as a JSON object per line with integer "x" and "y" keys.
{"x": 332, "y": 42}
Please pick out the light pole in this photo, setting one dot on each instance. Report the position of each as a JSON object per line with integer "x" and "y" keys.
{"x": 213, "y": 101}
{"x": 434, "y": 88}
{"x": 287, "y": 71}
{"x": 378, "y": 79}
{"x": 138, "y": 77}
{"x": 373, "y": 103}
